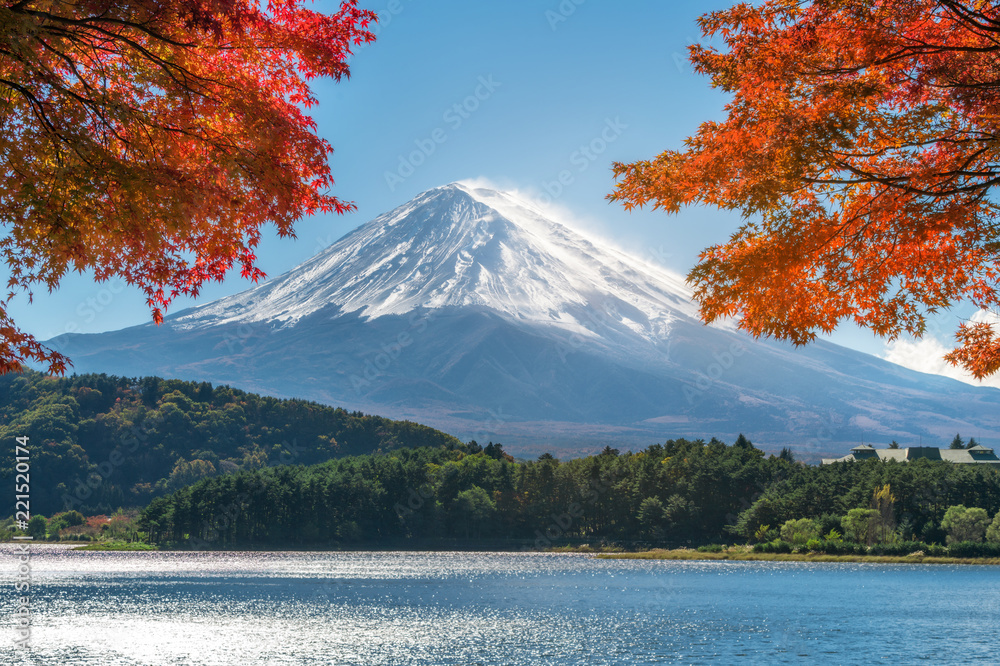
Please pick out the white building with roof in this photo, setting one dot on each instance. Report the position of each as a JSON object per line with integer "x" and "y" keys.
{"x": 977, "y": 455}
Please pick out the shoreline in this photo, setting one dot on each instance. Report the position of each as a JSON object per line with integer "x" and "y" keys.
{"x": 674, "y": 555}
{"x": 684, "y": 554}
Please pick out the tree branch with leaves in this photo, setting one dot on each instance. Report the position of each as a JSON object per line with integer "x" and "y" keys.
{"x": 150, "y": 140}
{"x": 862, "y": 148}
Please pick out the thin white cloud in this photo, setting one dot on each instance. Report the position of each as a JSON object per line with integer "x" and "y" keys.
{"x": 592, "y": 229}
{"x": 985, "y": 316}
{"x": 554, "y": 210}
{"x": 927, "y": 355}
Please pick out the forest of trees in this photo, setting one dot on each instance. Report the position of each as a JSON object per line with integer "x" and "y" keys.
{"x": 682, "y": 492}
{"x": 102, "y": 442}
{"x": 219, "y": 467}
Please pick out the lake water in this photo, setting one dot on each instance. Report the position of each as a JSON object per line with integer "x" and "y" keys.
{"x": 492, "y": 608}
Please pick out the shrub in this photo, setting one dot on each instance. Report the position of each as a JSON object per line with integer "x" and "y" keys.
{"x": 825, "y": 547}
{"x": 974, "y": 549}
{"x": 69, "y": 518}
{"x": 900, "y": 548}
{"x": 776, "y": 546}
{"x": 842, "y": 548}
{"x": 814, "y": 544}
{"x": 711, "y": 548}
{"x": 765, "y": 533}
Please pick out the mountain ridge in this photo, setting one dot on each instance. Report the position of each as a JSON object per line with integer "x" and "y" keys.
{"x": 479, "y": 257}
{"x": 469, "y": 310}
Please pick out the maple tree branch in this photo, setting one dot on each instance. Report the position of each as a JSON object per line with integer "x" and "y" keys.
{"x": 172, "y": 70}
{"x": 970, "y": 16}
{"x": 150, "y": 140}
{"x": 94, "y": 22}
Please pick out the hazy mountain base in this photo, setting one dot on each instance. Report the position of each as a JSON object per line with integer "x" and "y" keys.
{"x": 537, "y": 389}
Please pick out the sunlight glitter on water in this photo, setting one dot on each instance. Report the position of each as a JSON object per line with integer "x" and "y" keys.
{"x": 227, "y": 609}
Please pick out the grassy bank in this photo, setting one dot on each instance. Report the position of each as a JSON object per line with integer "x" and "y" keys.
{"x": 116, "y": 545}
{"x": 746, "y": 555}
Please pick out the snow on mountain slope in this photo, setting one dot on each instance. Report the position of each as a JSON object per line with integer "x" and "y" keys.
{"x": 472, "y": 311}
{"x": 458, "y": 245}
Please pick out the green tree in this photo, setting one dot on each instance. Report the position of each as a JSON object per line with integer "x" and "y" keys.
{"x": 61, "y": 521}
{"x": 957, "y": 443}
{"x": 38, "y": 526}
{"x": 494, "y": 451}
{"x": 799, "y": 531}
{"x": 858, "y": 525}
{"x": 474, "y": 510}
{"x": 651, "y": 517}
{"x": 680, "y": 513}
{"x": 993, "y": 531}
{"x": 884, "y": 525}
{"x": 965, "y": 524}
{"x": 73, "y": 518}
{"x": 894, "y": 444}
{"x": 972, "y": 443}
{"x": 186, "y": 473}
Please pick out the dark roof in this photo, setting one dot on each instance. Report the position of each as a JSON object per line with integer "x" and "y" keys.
{"x": 979, "y": 455}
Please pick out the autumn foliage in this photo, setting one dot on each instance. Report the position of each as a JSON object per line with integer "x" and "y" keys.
{"x": 151, "y": 139}
{"x": 862, "y": 147}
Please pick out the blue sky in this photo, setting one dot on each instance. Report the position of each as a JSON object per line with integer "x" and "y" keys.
{"x": 518, "y": 93}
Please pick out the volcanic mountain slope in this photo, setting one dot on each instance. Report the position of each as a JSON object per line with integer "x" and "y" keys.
{"x": 470, "y": 310}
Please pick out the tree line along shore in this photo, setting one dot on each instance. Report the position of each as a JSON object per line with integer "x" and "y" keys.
{"x": 277, "y": 473}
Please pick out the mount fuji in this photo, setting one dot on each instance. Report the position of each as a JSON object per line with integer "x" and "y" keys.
{"x": 470, "y": 310}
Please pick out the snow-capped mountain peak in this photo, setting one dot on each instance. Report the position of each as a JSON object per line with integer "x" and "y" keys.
{"x": 460, "y": 245}
{"x": 471, "y": 310}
